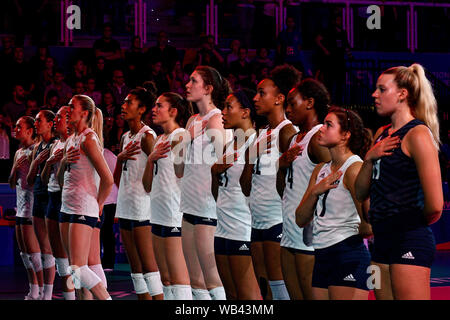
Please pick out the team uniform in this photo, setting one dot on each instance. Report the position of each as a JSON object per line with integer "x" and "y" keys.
{"x": 401, "y": 233}
{"x": 265, "y": 203}
{"x": 165, "y": 205}
{"x": 80, "y": 190}
{"x": 341, "y": 258}
{"x": 297, "y": 179}
{"x": 233, "y": 233}
{"x": 54, "y": 190}
{"x": 40, "y": 192}
{"x": 24, "y": 193}
{"x": 197, "y": 202}
{"x": 133, "y": 202}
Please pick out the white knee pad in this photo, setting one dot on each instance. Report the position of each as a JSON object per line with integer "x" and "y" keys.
{"x": 62, "y": 267}
{"x": 26, "y": 260}
{"x": 84, "y": 277}
{"x": 168, "y": 292}
{"x": 36, "y": 261}
{"x": 98, "y": 270}
{"x": 279, "y": 291}
{"x": 181, "y": 292}
{"x": 140, "y": 286}
{"x": 154, "y": 284}
{"x": 48, "y": 260}
{"x": 200, "y": 294}
{"x": 218, "y": 293}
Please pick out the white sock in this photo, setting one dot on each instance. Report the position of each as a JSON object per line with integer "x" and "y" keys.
{"x": 200, "y": 294}
{"x": 98, "y": 270}
{"x": 48, "y": 291}
{"x": 181, "y": 292}
{"x": 69, "y": 295}
{"x": 34, "y": 291}
{"x": 279, "y": 291}
{"x": 168, "y": 293}
{"x": 218, "y": 293}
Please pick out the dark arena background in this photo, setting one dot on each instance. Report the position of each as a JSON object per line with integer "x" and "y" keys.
{"x": 51, "y": 50}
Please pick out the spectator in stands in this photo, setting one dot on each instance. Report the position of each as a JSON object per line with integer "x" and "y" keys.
{"x": 289, "y": 46}
{"x": 79, "y": 73}
{"x": 15, "y": 108}
{"x": 234, "y": 51}
{"x": 79, "y": 87}
{"x": 163, "y": 52}
{"x": 39, "y": 60}
{"x": 135, "y": 62}
{"x": 45, "y": 77}
{"x": 158, "y": 77}
{"x": 7, "y": 51}
{"x": 51, "y": 101}
{"x": 261, "y": 60}
{"x": 108, "y": 106}
{"x": 108, "y": 125}
{"x": 241, "y": 68}
{"x": 5, "y": 161}
{"x": 118, "y": 87}
{"x": 92, "y": 92}
{"x": 32, "y": 107}
{"x": 101, "y": 74}
{"x": 178, "y": 79}
{"x": 246, "y": 14}
{"x": 119, "y": 128}
{"x": 332, "y": 48}
{"x": 60, "y": 86}
{"x": 107, "y": 47}
{"x": 19, "y": 71}
{"x": 208, "y": 54}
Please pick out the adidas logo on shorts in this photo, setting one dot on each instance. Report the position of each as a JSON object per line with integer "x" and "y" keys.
{"x": 349, "y": 278}
{"x": 174, "y": 230}
{"x": 408, "y": 255}
{"x": 244, "y": 247}
{"x": 82, "y": 218}
{"x": 279, "y": 236}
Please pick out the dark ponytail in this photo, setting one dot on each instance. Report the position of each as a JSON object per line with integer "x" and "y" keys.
{"x": 183, "y": 106}
{"x": 360, "y": 137}
{"x": 285, "y": 77}
{"x": 145, "y": 97}
{"x": 310, "y": 88}
{"x": 221, "y": 86}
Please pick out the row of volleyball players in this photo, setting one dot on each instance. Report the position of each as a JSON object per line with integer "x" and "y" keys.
{"x": 256, "y": 201}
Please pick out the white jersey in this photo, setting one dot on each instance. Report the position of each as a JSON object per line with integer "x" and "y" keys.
{"x": 133, "y": 202}
{"x": 111, "y": 160}
{"x": 234, "y": 220}
{"x": 53, "y": 185}
{"x": 24, "y": 192}
{"x": 297, "y": 180}
{"x": 336, "y": 217}
{"x": 81, "y": 181}
{"x": 265, "y": 203}
{"x": 166, "y": 192}
{"x": 196, "y": 197}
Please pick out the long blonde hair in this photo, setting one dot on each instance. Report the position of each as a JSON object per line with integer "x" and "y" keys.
{"x": 95, "y": 115}
{"x": 421, "y": 98}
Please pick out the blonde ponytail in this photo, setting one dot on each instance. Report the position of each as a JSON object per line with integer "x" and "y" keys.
{"x": 97, "y": 124}
{"x": 426, "y": 106}
{"x": 421, "y": 98}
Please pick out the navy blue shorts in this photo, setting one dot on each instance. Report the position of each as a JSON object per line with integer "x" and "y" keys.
{"x": 129, "y": 225}
{"x": 229, "y": 247}
{"x": 342, "y": 264}
{"x": 23, "y": 221}
{"x": 299, "y": 251}
{"x": 272, "y": 234}
{"x": 165, "y": 232}
{"x": 100, "y": 221}
{"x": 54, "y": 205}
{"x": 413, "y": 247}
{"x": 199, "y": 220}
{"x": 81, "y": 219}
{"x": 40, "y": 204}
